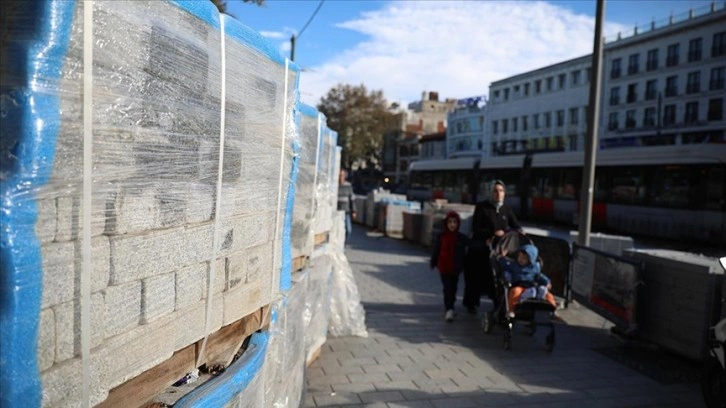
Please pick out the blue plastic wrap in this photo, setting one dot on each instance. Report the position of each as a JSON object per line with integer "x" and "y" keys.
{"x": 36, "y": 43}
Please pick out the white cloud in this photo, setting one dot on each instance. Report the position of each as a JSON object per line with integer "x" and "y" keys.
{"x": 455, "y": 48}
{"x": 275, "y": 35}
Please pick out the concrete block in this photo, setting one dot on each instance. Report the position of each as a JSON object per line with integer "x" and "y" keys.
{"x": 199, "y": 205}
{"x": 62, "y": 383}
{"x": 123, "y": 307}
{"x": 158, "y": 296}
{"x": 142, "y": 256}
{"x": 244, "y": 300}
{"x": 245, "y": 231}
{"x": 68, "y": 326}
{"x": 62, "y": 265}
{"x": 46, "y": 339}
{"x": 236, "y": 270}
{"x": 45, "y": 226}
{"x": 258, "y": 263}
{"x": 150, "y": 206}
{"x": 190, "y": 282}
{"x": 69, "y": 211}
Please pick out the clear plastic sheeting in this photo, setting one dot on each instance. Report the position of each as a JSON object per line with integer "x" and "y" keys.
{"x": 285, "y": 365}
{"x": 317, "y": 300}
{"x": 164, "y": 104}
{"x": 302, "y": 222}
{"x": 326, "y": 180}
{"x": 347, "y": 316}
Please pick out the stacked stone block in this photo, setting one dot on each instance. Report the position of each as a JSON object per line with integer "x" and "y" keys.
{"x": 156, "y": 111}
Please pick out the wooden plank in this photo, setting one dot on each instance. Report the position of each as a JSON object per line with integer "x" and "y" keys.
{"x": 299, "y": 263}
{"x": 321, "y": 238}
{"x": 144, "y": 387}
{"x": 223, "y": 344}
{"x": 221, "y": 347}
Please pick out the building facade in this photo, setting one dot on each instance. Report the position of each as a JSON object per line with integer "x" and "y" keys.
{"x": 540, "y": 110}
{"x": 433, "y": 146}
{"x": 465, "y": 128}
{"x": 666, "y": 86}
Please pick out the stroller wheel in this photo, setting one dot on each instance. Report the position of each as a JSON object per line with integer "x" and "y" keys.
{"x": 487, "y": 323}
{"x": 550, "y": 342}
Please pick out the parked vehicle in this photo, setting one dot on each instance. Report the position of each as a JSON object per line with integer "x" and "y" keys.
{"x": 713, "y": 378}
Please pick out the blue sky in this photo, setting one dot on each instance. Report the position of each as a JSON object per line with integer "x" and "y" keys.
{"x": 455, "y": 48}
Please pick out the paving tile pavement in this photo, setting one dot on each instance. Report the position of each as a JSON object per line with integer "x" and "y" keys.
{"x": 413, "y": 358}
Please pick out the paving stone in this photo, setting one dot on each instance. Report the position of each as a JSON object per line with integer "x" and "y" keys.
{"x": 46, "y": 339}
{"x": 337, "y": 399}
{"x": 381, "y": 396}
{"x": 123, "y": 307}
{"x": 356, "y": 388}
{"x": 157, "y": 296}
{"x": 368, "y": 378}
{"x": 68, "y": 326}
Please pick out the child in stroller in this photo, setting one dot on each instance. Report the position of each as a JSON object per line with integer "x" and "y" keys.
{"x": 521, "y": 288}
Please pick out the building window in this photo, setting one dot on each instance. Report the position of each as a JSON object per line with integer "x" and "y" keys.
{"x": 535, "y": 119}
{"x": 649, "y": 117}
{"x": 496, "y": 94}
{"x": 717, "y": 78}
{"x": 538, "y": 86}
{"x": 671, "y": 86}
{"x": 719, "y": 44}
{"x": 524, "y": 123}
{"x": 613, "y": 121}
{"x": 526, "y": 89}
{"x": 652, "y": 62}
{"x": 615, "y": 68}
{"x": 632, "y": 93}
{"x": 560, "y": 118}
{"x": 630, "y": 119}
{"x": 549, "y": 80}
{"x": 694, "y": 49}
{"x": 505, "y": 123}
{"x": 588, "y": 75}
{"x": 614, "y": 95}
{"x": 669, "y": 115}
{"x": 651, "y": 89}
{"x": 506, "y": 94}
{"x": 561, "y": 81}
{"x": 691, "y": 115}
{"x": 693, "y": 84}
{"x": 515, "y": 122}
{"x": 576, "y": 77}
{"x": 672, "y": 55}
{"x": 495, "y": 127}
{"x": 633, "y": 64}
{"x": 574, "y": 118}
{"x": 548, "y": 120}
{"x": 715, "y": 109}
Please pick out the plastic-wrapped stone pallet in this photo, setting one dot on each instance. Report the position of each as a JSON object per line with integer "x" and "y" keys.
{"x": 285, "y": 360}
{"x": 183, "y": 240}
{"x": 302, "y": 223}
{"x": 317, "y": 300}
{"x": 326, "y": 180}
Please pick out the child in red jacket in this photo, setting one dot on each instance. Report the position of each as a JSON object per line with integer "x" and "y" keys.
{"x": 449, "y": 252}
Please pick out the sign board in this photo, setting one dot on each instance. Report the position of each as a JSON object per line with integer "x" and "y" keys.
{"x": 607, "y": 284}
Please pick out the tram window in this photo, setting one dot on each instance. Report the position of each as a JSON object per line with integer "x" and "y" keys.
{"x": 438, "y": 180}
{"x": 627, "y": 186}
{"x": 568, "y": 184}
{"x": 671, "y": 186}
{"x": 601, "y": 188}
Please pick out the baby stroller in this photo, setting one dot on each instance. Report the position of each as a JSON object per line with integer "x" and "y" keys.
{"x": 526, "y": 310}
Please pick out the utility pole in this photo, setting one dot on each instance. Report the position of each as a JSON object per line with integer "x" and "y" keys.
{"x": 588, "y": 179}
{"x": 292, "y": 47}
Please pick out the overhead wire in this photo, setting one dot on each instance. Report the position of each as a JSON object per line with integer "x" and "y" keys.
{"x": 310, "y": 19}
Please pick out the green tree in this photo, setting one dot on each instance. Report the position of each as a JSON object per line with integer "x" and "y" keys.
{"x": 361, "y": 118}
{"x": 222, "y": 4}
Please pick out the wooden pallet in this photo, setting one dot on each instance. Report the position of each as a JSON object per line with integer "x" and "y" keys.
{"x": 299, "y": 263}
{"x": 321, "y": 238}
{"x": 221, "y": 347}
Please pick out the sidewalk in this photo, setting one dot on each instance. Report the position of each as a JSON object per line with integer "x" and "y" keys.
{"x": 413, "y": 358}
